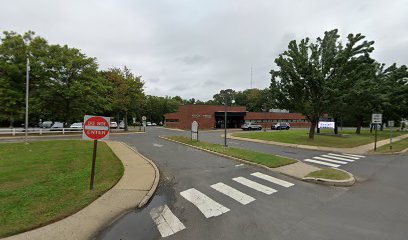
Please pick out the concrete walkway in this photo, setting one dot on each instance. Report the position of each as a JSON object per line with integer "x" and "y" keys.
{"x": 134, "y": 189}
{"x": 363, "y": 149}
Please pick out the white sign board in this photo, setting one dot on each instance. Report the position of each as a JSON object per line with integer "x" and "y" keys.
{"x": 390, "y": 123}
{"x": 96, "y": 128}
{"x": 144, "y": 118}
{"x": 376, "y": 118}
{"x": 326, "y": 125}
{"x": 194, "y": 130}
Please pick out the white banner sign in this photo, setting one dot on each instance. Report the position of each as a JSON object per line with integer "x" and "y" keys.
{"x": 326, "y": 125}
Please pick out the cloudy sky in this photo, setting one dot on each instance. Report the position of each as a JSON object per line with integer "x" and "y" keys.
{"x": 195, "y": 48}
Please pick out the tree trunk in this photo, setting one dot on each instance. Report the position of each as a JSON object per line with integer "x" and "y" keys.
{"x": 312, "y": 130}
{"x": 118, "y": 121}
{"x": 358, "y": 129}
{"x": 382, "y": 126}
{"x": 126, "y": 122}
{"x": 11, "y": 120}
{"x": 336, "y": 127}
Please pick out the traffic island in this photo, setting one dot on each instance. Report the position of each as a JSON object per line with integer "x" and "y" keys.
{"x": 289, "y": 167}
{"x": 134, "y": 189}
{"x": 331, "y": 177}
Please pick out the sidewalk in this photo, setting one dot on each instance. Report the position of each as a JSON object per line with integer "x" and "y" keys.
{"x": 363, "y": 149}
{"x": 134, "y": 189}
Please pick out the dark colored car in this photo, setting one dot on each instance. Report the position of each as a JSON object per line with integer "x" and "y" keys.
{"x": 281, "y": 126}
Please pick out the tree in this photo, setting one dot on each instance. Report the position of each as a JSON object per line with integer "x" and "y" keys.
{"x": 219, "y": 98}
{"x": 306, "y": 70}
{"x": 126, "y": 93}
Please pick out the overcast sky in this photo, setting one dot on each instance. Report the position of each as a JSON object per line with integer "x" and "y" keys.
{"x": 195, "y": 48}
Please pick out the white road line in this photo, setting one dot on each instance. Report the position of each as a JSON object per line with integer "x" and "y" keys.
{"x": 157, "y": 145}
{"x": 338, "y": 158}
{"x": 323, "y": 163}
{"x": 338, "y": 155}
{"x": 233, "y": 193}
{"x": 254, "y": 185}
{"x": 167, "y": 223}
{"x": 206, "y": 205}
{"x": 330, "y": 160}
{"x": 353, "y": 155}
{"x": 239, "y": 165}
{"x": 272, "y": 179}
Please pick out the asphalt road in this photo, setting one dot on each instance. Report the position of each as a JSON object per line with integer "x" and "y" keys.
{"x": 375, "y": 208}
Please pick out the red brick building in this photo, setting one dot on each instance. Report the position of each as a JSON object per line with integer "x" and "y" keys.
{"x": 212, "y": 117}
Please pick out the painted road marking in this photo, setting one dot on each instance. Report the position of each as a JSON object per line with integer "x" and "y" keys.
{"x": 322, "y": 163}
{"x": 206, "y": 205}
{"x": 239, "y": 165}
{"x": 272, "y": 179}
{"x": 338, "y": 155}
{"x": 167, "y": 223}
{"x": 338, "y": 158}
{"x": 330, "y": 160}
{"x": 233, "y": 193}
{"x": 353, "y": 155}
{"x": 157, "y": 145}
{"x": 254, "y": 185}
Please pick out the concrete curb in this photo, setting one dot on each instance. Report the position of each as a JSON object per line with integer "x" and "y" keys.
{"x": 134, "y": 189}
{"x": 338, "y": 183}
{"x": 329, "y": 182}
{"x": 220, "y": 154}
{"x": 156, "y": 179}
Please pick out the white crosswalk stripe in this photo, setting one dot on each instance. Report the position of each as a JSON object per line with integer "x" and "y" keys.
{"x": 338, "y": 158}
{"x": 233, "y": 193}
{"x": 330, "y": 160}
{"x": 338, "y": 155}
{"x": 334, "y": 159}
{"x": 254, "y": 185}
{"x": 272, "y": 179}
{"x": 206, "y": 205}
{"x": 322, "y": 163}
{"x": 167, "y": 223}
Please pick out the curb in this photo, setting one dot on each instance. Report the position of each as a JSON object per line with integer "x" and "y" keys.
{"x": 329, "y": 182}
{"x": 223, "y": 155}
{"x": 156, "y": 179}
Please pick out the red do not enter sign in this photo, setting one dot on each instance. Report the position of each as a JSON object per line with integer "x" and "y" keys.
{"x": 96, "y": 127}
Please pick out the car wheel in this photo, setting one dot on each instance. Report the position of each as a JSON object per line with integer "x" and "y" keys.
{"x": 260, "y": 128}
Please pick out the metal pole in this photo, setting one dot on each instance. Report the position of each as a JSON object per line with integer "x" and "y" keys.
{"x": 93, "y": 164}
{"x": 390, "y": 138}
{"x": 225, "y": 121}
{"x": 27, "y": 90}
{"x": 375, "y": 141}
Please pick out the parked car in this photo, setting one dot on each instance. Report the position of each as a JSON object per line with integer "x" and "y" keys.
{"x": 154, "y": 124}
{"x": 77, "y": 126}
{"x": 281, "y": 126}
{"x": 57, "y": 126}
{"x": 122, "y": 125}
{"x": 113, "y": 124}
{"x": 46, "y": 124}
{"x": 148, "y": 124}
{"x": 251, "y": 126}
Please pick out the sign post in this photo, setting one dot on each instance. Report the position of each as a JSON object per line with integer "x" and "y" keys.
{"x": 95, "y": 128}
{"x": 194, "y": 131}
{"x": 144, "y": 123}
{"x": 376, "y": 118}
{"x": 390, "y": 125}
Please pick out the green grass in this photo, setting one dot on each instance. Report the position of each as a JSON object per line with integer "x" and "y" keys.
{"x": 268, "y": 160}
{"x": 329, "y": 173}
{"x": 346, "y": 140}
{"x": 46, "y": 181}
{"x": 396, "y": 147}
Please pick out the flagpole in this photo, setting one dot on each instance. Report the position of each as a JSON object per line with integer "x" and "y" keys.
{"x": 27, "y": 90}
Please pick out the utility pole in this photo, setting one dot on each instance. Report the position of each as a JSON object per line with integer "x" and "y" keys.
{"x": 225, "y": 120}
{"x": 27, "y": 90}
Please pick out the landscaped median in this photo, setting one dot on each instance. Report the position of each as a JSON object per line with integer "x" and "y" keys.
{"x": 264, "y": 159}
{"x": 43, "y": 182}
{"x": 287, "y": 166}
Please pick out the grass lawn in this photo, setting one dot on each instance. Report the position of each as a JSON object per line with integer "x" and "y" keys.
{"x": 348, "y": 139}
{"x": 329, "y": 173}
{"x": 46, "y": 181}
{"x": 396, "y": 147}
{"x": 252, "y": 156}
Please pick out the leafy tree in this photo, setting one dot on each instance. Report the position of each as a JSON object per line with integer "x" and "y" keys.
{"x": 219, "y": 98}
{"x": 303, "y": 81}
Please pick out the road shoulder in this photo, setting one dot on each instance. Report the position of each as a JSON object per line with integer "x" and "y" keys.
{"x": 134, "y": 189}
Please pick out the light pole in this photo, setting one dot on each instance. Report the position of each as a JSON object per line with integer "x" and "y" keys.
{"x": 27, "y": 90}
{"x": 225, "y": 120}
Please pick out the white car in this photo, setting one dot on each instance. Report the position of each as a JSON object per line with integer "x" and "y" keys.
{"x": 77, "y": 126}
{"x": 149, "y": 124}
{"x": 251, "y": 126}
{"x": 113, "y": 124}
